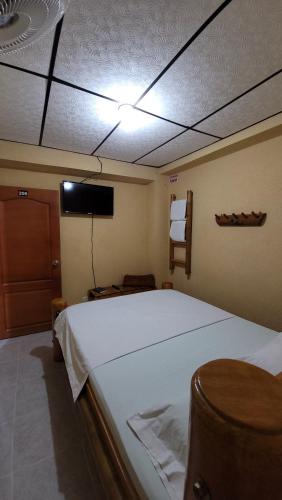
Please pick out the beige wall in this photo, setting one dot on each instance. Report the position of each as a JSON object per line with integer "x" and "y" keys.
{"x": 157, "y": 228}
{"x": 40, "y": 159}
{"x": 238, "y": 269}
{"x": 120, "y": 243}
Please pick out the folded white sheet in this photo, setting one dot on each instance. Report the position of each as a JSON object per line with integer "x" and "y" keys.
{"x": 178, "y": 210}
{"x": 163, "y": 431}
{"x": 177, "y": 230}
{"x": 97, "y": 332}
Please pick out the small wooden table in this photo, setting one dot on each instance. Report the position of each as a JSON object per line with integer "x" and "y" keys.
{"x": 110, "y": 292}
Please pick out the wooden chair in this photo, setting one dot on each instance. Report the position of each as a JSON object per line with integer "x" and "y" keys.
{"x": 140, "y": 281}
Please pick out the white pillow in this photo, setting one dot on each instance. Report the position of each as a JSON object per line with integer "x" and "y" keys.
{"x": 164, "y": 433}
{"x": 268, "y": 357}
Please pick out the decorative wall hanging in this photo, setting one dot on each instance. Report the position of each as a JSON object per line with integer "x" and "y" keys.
{"x": 252, "y": 219}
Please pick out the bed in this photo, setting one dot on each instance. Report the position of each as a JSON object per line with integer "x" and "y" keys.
{"x": 126, "y": 354}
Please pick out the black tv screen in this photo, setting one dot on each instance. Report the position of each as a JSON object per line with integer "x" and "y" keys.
{"x": 79, "y": 198}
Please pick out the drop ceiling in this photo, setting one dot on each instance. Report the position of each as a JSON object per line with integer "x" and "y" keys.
{"x": 197, "y": 71}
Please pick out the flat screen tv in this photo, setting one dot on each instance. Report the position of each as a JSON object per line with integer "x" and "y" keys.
{"x": 79, "y": 198}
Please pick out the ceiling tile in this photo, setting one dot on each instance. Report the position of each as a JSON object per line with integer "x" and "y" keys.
{"x": 118, "y": 48}
{"x": 257, "y": 105}
{"x": 77, "y": 121}
{"x": 21, "y": 105}
{"x": 183, "y": 145}
{"x": 241, "y": 47}
{"x": 127, "y": 145}
{"x": 36, "y": 57}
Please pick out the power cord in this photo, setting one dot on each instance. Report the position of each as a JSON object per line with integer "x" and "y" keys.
{"x": 95, "y": 173}
{"x": 92, "y": 252}
{"x": 92, "y": 222}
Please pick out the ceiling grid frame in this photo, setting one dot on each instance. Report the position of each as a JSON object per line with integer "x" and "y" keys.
{"x": 52, "y": 78}
{"x": 230, "y": 135}
{"x": 220, "y": 109}
{"x": 50, "y": 75}
{"x": 174, "y": 59}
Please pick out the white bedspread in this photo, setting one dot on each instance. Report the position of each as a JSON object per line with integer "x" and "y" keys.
{"x": 123, "y": 387}
{"x": 94, "y": 333}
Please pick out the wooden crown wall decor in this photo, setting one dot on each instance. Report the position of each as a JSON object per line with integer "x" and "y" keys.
{"x": 252, "y": 219}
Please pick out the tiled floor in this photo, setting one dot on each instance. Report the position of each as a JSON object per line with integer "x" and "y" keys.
{"x": 41, "y": 455}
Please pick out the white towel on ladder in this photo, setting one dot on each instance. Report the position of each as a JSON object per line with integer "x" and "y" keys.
{"x": 178, "y": 210}
{"x": 177, "y": 230}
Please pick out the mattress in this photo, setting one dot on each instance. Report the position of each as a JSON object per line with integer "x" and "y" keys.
{"x": 97, "y": 332}
{"x": 159, "y": 374}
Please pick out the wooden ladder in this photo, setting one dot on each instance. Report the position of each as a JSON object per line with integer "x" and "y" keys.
{"x": 187, "y": 244}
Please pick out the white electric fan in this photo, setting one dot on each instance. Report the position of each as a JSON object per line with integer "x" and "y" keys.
{"x": 24, "y": 21}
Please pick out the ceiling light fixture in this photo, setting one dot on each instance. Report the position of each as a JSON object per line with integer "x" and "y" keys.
{"x": 129, "y": 117}
{"x": 22, "y": 22}
{"x": 126, "y": 111}
{"x": 132, "y": 119}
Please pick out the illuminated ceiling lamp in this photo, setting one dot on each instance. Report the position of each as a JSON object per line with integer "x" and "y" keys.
{"x": 22, "y": 22}
{"x": 125, "y": 111}
{"x": 130, "y": 118}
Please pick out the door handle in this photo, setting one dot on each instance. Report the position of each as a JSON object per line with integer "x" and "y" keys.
{"x": 55, "y": 263}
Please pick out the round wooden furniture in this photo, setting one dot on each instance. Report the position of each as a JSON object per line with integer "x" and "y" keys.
{"x": 236, "y": 433}
{"x": 167, "y": 285}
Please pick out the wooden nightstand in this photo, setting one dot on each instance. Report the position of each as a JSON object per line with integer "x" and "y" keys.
{"x": 111, "y": 292}
{"x": 106, "y": 294}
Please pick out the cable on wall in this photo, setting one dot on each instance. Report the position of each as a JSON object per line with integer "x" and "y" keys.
{"x": 95, "y": 173}
{"x": 92, "y": 221}
{"x": 92, "y": 251}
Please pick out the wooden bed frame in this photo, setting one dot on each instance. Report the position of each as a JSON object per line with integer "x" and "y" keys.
{"x": 103, "y": 453}
{"x": 236, "y": 411}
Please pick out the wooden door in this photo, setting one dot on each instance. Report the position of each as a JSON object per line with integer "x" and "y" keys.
{"x": 30, "y": 274}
